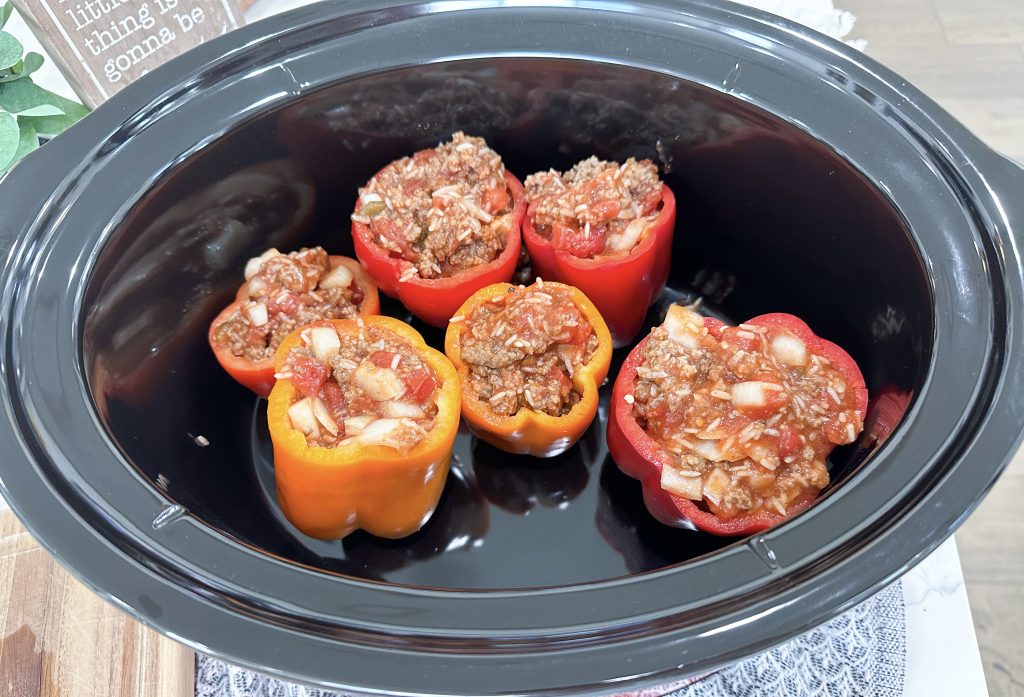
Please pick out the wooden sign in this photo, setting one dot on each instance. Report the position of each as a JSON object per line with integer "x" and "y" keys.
{"x": 103, "y": 45}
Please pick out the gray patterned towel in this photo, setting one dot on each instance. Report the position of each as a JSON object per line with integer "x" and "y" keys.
{"x": 860, "y": 653}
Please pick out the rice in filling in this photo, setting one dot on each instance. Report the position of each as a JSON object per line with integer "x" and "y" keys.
{"x": 597, "y": 207}
{"x": 285, "y": 292}
{"x": 524, "y": 347}
{"x": 370, "y": 386}
{"x": 749, "y": 416}
{"x": 443, "y": 210}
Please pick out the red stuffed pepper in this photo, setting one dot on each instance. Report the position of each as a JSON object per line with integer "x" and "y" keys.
{"x": 606, "y": 229}
{"x": 434, "y": 228}
{"x": 281, "y": 293}
{"x": 728, "y": 427}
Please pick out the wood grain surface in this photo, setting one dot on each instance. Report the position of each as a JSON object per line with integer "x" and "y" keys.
{"x": 59, "y": 639}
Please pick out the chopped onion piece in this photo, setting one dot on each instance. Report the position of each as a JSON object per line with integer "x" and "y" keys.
{"x": 355, "y": 425}
{"x": 324, "y": 416}
{"x": 325, "y": 342}
{"x": 789, "y": 350}
{"x": 751, "y": 394}
{"x": 716, "y": 484}
{"x": 338, "y": 277}
{"x": 394, "y": 433}
{"x": 617, "y": 244}
{"x": 380, "y": 383}
{"x": 253, "y": 266}
{"x": 402, "y": 409}
{"x": 302, "y": 417}
{"x": 689, "y": 487}
{"x": 708, "y": 449}
{"x": 257, "y": 314}
{"x": 683, "y": 325}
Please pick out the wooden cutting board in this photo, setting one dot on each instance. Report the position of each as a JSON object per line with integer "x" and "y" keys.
{"x": 57, "y": 638}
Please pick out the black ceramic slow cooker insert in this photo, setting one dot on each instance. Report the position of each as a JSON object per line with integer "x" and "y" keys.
{"x": 810, "y": 180}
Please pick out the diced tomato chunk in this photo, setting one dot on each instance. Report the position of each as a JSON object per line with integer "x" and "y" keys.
{"x": 581, "y": 332}
{"x": 420, "y": 385}
{"x": 496, "y": 199}
{"x": 576, "y": 241}
{"x": 651, "y": 201}
{"x": 308, "y": 374}
{"x": 789, "y": 441}
{"x": 383, "y": 359}
{"x": 556, "y": 375}
{"x": 333, "y": 397}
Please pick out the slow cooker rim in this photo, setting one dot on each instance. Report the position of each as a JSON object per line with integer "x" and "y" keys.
{"x": 6, "y": 310}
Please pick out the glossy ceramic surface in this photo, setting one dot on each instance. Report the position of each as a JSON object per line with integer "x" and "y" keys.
{"x": 810, "y": 181}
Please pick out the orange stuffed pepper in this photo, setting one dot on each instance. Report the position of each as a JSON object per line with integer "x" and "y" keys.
{"x": 362, "y": 420}
{"x": 281, "y": 293}
{"x": 531, "y": 361}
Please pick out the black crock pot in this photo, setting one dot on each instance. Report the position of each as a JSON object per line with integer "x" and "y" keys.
{"x": 810, "y": 180}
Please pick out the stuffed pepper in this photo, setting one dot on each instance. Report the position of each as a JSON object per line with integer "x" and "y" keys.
{"x": 531, "y": 360}
{"x": 728, "y": 427}
{"x": 362, "y": 419}
{"x": 434, "y": 228}
{"x": 607, "y": 229}
{"x": 281, "y": 293}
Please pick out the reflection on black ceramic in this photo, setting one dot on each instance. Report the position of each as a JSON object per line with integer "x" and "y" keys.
{"x": 459, "y": 522}
{"x": 644, "y": 543}
{"x": 389, "y": 118}
{"x": 617, "y": 119}
{"x": 858, "y": 205}
{"x": 727, "y": 250}
{"x": 165, "y": 282}
{"x": 518, "y": 483}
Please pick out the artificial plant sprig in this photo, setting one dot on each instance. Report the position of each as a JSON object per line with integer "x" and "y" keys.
{"x": 28, "y": 112}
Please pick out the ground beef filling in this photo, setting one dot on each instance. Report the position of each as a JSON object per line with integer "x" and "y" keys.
{"x": 523, "y": 348}
{"x": 369, "y": 386}
{"x": 287, "y": 291}
{"x": 749, "y": 416}
{"x": 443, "y": 210}
{"x": 597, "y": 207}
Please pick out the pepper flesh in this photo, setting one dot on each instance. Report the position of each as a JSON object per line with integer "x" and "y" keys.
{"x": 621, "y": 286}
{"x": 435, "y": 300}
{"x": 328, "y": 493}
{"x": 641, "y": 457}
{"x": 258, "y": 376}
{"x": 529, "y": 432}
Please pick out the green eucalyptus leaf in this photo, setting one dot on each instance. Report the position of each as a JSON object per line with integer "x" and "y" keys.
{"x": 9, "y": 138}
{"x": 42, "y": 110}
{"x": 5, "y": 13}
{"x": 28, "y": 141}
{"x": 10, "y": 50}
{"x": 33, "y": 62}
{"x": 49, "y": 126}
{"x": 20, "y": 95}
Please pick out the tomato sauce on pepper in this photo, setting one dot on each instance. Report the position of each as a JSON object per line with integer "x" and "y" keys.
{"x": 523, "y": 348}
{"x": 597, "y": 207}
{"x": 443, "y": 210}
{"x": 282, "y": 293}
{"x": 372, "y": 386}
{"x": 749, "y": 413}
